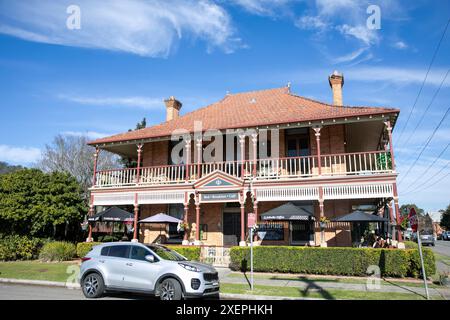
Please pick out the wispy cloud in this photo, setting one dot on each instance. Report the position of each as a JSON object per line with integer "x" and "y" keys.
{"x": 400, "y": 45}
{"x": 263, "y": 7}
{"x": 397, "y": 75}
{"x": 360, "y": 32}
{"x": 146, "y": 28}
{"x": 19, "y": 155}
{"x": 88, "y": 134}
{"x": 128, "y": 102}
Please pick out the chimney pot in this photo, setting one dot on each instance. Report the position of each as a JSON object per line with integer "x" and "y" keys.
{"x": 173, "y": 107}
{"x": 336, "y": 81}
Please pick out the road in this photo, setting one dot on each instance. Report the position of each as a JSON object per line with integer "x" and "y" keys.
{"x": 31, "y": 292}
{"x": 443, "y": 248}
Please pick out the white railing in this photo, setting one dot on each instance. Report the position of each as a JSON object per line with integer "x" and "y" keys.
{"x": 363, "y": 163}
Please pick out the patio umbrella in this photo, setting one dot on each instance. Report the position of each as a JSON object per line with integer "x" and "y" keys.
{"x": 359, "y": 216}
{"x": 112, "y": 214}
{"x": 287, "y": 211}
{"x": 160, "y": 218}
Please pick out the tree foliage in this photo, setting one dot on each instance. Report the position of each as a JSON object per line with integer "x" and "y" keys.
{"x": 73, "y": 155}
{"x": 36, "y": 203}
{"x": 7, "y": 168}
{"x": 129, "y": 162}
{"x": 445, "y": 218}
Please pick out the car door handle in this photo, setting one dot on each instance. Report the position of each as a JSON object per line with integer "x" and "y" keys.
{"x": 129, "y": 264}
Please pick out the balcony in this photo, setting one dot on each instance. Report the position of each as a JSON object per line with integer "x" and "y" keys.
{"x": 346, "y": 164}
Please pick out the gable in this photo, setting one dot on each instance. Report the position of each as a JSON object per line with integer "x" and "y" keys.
{"x": 219, "y": 180}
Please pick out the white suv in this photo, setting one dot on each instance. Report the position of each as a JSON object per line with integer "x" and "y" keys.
{"x": 153, "y": 269}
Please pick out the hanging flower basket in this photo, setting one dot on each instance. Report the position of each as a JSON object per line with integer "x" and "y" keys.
{"x": 84, "y": 225}
{"x": 129, "y": 225}
{"x": 181, "y": 227}
{"x": 323, "y": 221}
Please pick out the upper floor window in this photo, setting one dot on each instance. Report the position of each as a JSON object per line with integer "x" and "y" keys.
{"x": 297, "y": 142}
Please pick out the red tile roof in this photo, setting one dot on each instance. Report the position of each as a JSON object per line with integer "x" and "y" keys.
{"x": 249, "y": 109}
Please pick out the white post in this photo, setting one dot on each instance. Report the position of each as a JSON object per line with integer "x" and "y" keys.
{"x": 251, "y": 259}
{"x": 419, "y": 242}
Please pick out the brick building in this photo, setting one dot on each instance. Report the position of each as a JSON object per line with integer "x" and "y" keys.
{"x": 278, "y": 147}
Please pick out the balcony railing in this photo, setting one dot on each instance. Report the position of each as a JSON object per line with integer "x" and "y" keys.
{"x": 363, "y": 163}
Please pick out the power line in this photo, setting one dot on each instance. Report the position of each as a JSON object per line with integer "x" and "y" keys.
{"x": 426, "y": 144}
{"x": 424, "y": 80}
{"x": 428, "y": 107}
{"x": 433, "y": 184}
{"x": 429, "y": 167}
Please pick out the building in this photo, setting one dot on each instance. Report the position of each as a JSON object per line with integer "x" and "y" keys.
{"x": 324, "y": 160}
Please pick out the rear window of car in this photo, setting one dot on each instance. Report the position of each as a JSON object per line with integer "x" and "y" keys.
{"x": 119, "y": 251}
{"x": 105, "y": 251}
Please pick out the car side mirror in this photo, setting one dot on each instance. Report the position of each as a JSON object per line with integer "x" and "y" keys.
{"x": 150, "y": 258}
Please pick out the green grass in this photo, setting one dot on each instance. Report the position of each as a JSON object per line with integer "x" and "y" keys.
{"x": 36, "y": 270}
{"x": 330, "y": 294}
{"x": 307, "y": 279}
{"x": 442, "y": 258}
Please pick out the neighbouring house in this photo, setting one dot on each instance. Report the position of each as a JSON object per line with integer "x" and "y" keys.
{"x": 285, "y": 161}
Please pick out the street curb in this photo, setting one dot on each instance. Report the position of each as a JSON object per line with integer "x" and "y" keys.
{"x": 67, "y": 285}
{"x": 256, "y": 297}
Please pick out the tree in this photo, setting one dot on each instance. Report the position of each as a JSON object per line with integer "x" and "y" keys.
{"x": 40, "y": 204}
{"x": 7, "y": 168}
{"x": 129, "y": 162}
{"x": 73, "y": 155}
{"x": 445, "y": 218}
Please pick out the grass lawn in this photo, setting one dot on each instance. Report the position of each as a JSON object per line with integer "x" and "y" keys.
{"x": 36, "y": 270}
{"x": 330, "y": 294}
{"x": 307, "y": 279}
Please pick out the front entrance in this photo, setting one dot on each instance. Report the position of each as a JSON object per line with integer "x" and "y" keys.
{"x": 231, "y": 228}
{"x": 300, "y": 232}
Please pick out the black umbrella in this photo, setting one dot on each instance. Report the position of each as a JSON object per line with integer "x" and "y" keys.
{"x": 359, "y": 216}
{"x": 112, "y": 214}
{"x": 287, "y": 211}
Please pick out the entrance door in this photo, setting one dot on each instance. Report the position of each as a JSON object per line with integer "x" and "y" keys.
{"x": 300, "y": 232}
{"x": 231, "y": 228}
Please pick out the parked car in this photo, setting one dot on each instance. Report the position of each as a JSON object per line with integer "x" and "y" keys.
{"x": 427, "y": 239}
{"x": 152, "y": 269}
{"x": 445, "y": 235}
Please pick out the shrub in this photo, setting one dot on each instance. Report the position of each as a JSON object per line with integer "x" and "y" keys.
{"x": 411, "y": 245}
{"x": 190, "y": 252}
{"x": 84, "y": 247}
{"x": 337, "y": 261}
{"x": 57, "y": 251}
{"x": 15, "y": 247}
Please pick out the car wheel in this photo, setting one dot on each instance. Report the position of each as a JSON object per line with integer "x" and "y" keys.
{"x": 170, "y": 289}
{"x": 93, "y": 286}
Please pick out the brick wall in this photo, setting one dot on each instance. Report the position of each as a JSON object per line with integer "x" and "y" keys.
{"x": 155, "y": 154}
{"x": 332, "y": 140}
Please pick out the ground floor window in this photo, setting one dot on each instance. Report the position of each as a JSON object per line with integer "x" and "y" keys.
{"x": 301, "y": 231}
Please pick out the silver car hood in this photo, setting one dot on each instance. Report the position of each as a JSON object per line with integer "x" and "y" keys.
{"x": 203, "y": 267}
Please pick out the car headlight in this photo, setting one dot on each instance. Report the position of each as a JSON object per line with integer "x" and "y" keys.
{"x": 189, "y": 267}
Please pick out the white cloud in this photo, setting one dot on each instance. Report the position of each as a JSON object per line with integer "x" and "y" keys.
{"x": 19, "y": 155}
{"x": 88, "y": 134}
{"x": 146, "y": 28}
{"x": 397, "y": 75}
{"x": 129, "y": 102}
{"x": 400, "y": 45}
{"x": 351, "y": 56}
{"x": 311, "y": 23}
{"x": 331, "y": 7}
{"x": 360, "y": 32}
{"x": 263, "y": 7}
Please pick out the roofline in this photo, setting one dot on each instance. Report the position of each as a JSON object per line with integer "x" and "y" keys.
{"x": 281, "y": 125}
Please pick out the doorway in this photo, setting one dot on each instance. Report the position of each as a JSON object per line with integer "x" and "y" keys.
{"x": 300, "y": 232}
{"x": 231, "y": 224}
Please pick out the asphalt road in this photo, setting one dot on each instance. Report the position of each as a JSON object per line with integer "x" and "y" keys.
{"x": 31, "y": 292}
{"x": 442, "y": 247}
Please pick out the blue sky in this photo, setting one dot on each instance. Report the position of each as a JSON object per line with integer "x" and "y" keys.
{"x": 128, "y": 56}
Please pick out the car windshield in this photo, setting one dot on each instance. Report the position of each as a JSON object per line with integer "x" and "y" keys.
{"x": 166, "y": 253}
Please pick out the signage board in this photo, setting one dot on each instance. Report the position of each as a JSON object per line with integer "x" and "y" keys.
{"x": 219, "y": 196}
{"x": 251, "y": 219}
{"x": 413, "y": 221}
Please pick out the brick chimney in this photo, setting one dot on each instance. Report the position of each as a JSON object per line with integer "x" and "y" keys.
{"x": 173, "y": 107}
{"x": 336, "y": 81}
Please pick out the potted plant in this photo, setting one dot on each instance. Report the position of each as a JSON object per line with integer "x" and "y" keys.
{"x": 84, "y": 225}
{"x": 182, "y": 226}
{"x": 323, "y": 221}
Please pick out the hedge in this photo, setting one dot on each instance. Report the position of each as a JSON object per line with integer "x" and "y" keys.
{"x": 84, "y": 247}
{"x": 190, "y": 252}
{"x": 57, "y": 251}
{"x": 336, "y": 261}
{"x": 15, "y": 247}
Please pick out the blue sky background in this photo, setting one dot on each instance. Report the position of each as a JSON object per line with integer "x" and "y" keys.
{"x": 130, "y": 55}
